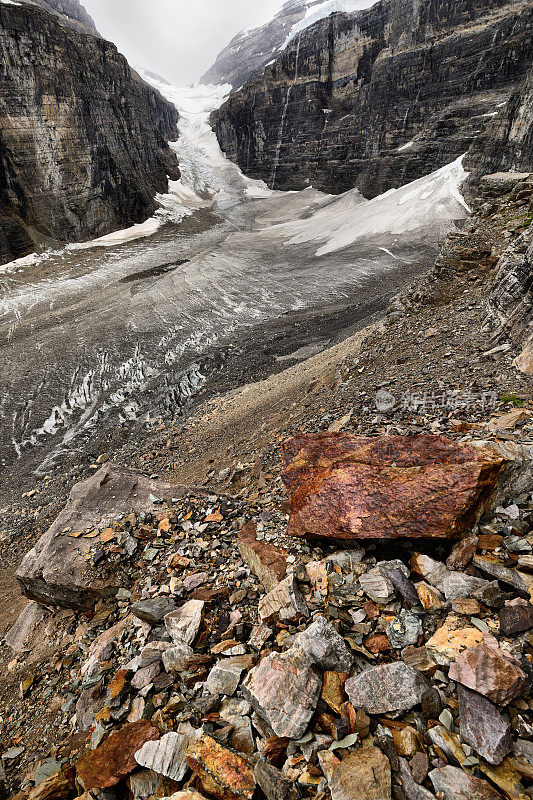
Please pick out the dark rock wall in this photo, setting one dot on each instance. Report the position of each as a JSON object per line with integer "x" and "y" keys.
{"x": 507, "y": 144}
{"x": 70, "y": 10}
{"x": 83, "y": 141}
{"x": 430, "y": 72}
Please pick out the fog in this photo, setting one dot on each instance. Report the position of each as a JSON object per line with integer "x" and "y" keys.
{"x": 178, "y": 39}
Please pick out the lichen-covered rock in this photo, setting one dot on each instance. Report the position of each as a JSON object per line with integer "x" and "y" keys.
{"x": 355, "y": 487}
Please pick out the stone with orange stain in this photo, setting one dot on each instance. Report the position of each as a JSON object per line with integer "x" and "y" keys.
{"x": 265, "y": 560}
{"x": 115, "y": 758}
{"x": 222, "y": 772}
{"x": 333, "y": 693}
{"x": 451, "y": 639}
{"x": 355, "y": 487}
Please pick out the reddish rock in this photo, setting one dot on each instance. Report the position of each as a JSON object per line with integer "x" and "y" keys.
{"x": 115, "y": 758}
{"x": 355, "y": 487}
{"x": 516, "y": 616}
{"x": 265, "y": 560}
{"x": 463, "y": 553}
{"x": 490, "y": 671}
{"x": 224, "y": 773}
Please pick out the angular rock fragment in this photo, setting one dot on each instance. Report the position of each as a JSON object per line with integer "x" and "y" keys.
{"x": 434, "y": 572}
{"x": 115, "y": 758}
{"x": 225, "y": 676}
{"x": 166, "y": 756}
{"x": 175, "y": 659}
{"x": 410, "y": 787}
{"x": 516, "y": 616}
{"x": 183, "y": 624}
{"x": 430, "y": 598}
{"x": 492, "y": 566}
{"x": 54, "y": 571}
{"x": 284, "y": 688}
{"x": 59, "y": 786}
{"x": 377, "y": 585}
{"x": 363, "y": 774}
{"x": 458, "y": 584}
{"x": 462, "y": 553}
{"x": 389, "y": 687}
{"x": 223, "y": 773}
{"x": 403, "y": 585}
{"x": 235, "y": 711}
{"x": 355, "y": 487}
{"x": 153, "y": 610}
{"x": 490, "y": 671}
{"x": 284, "y": 603}
{"x": 451, "y": 639}
{"x": 483, "y": 727}
{"x": 404, "y": 630}
{"x": 272, "y": 782}
{"x": 265, "y": 560}
{"x": 453, "y": 784}
{"x": 324, "y": 646}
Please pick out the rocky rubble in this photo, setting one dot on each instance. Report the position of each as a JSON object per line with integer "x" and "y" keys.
{"x": 235, "y": 660}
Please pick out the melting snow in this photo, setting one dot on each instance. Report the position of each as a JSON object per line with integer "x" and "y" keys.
{"x": 434, "y": 199}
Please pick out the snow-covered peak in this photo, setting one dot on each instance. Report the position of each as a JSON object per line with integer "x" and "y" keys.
{"x": 317, "y": 11}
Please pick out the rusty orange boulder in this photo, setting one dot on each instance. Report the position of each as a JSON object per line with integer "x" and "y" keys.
{"x": 115, "y": 758}
{"x": 388, "y": 487}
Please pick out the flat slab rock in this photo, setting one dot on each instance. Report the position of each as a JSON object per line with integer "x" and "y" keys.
{"x": 265, "y": 560}
{"x": 355, "y": 487}
{"x": 365, "y": 774}
{"x": 483, "y": 727}
{"x": 167, "y": 756}
{"x": 54, "y": 570}
{"x": 490, "y": 671}
{"x": 389, "y": 687}
{"x": 115, "y": 758}
{"x": 453, "y": 784}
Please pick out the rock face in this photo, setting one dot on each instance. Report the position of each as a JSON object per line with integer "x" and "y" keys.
{"x": 115, "y": 758}
{"x": 250, "y": 51}
{"x": 83, "y": 140}
{"x": 69, "y": 11}
{"x": 507, "y": 144}
{"x": 351, "y": 487}
{"x": 378, "y": 98}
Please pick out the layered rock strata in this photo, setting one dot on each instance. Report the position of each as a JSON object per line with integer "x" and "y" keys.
{"x": 378, "y": 98}
{"x": 83, "y": 141}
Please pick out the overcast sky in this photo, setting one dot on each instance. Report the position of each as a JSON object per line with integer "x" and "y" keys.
{"x": 179, "y": 39}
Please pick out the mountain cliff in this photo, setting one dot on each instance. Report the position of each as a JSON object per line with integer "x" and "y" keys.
{"x": 378, "y": 98}
{"x": 83, "y": 140}
{"x": 251, "y": 50}
{"x": 70, "y": 11}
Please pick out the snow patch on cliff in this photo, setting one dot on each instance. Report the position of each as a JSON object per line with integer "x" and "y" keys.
{"x": 317, "y": 12}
